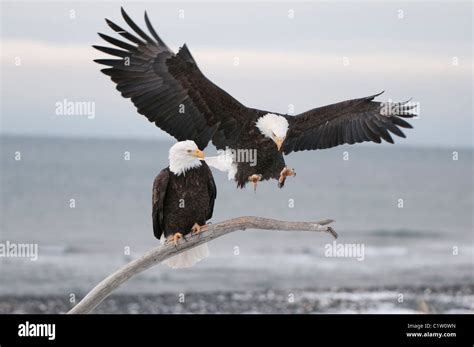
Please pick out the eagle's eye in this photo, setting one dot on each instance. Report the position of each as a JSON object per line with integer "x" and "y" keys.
{"x": 189, "y": 151}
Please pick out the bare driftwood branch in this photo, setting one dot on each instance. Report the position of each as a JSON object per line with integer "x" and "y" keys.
{"x": 162, "y": 252}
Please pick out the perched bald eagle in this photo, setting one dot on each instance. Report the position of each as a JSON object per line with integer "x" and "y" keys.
{"x": 171, "y": 91}
{"x": 183, "y": 200}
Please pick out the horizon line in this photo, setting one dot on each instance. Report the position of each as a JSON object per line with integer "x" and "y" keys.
{"x": 149, "y": 138}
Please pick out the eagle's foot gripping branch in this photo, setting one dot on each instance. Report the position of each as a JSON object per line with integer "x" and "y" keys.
{"x": 175, "y": 238}
{"x": 196, "y": 229}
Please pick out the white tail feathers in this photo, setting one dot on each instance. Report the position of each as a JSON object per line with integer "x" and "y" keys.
{"x": 223, "y": 162}
{"x": 188, "y": 258}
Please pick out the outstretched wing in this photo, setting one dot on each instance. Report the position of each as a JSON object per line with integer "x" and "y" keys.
{"x": 169, "y": 89}
{"x": 350, "y": 121}
{"x": 160, "y": 186}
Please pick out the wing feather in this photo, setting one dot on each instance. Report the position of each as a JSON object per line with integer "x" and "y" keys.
{"x": 160, "y": 185}
{"x": 211, "y": 184}
{"x": 350, "y": 121}
{"x": 169, "y": 89}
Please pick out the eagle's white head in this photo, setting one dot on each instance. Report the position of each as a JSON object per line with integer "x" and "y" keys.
{"x": 183, "y": 156}
{"x": 274, "y": 127}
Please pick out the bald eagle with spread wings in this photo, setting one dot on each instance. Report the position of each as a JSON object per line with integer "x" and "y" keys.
{"x": 171, "y": 91}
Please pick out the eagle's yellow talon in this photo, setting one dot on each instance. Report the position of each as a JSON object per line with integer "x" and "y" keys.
{"x": 286, "y": 172}
{"x": 175, "y": 238}
{"x": 199, "y": 228}
{"x": 255, "y": 178}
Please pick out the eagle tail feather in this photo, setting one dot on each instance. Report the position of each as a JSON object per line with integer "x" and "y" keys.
{"x": 188, "y": 258}
{"x": 223, "y": 162}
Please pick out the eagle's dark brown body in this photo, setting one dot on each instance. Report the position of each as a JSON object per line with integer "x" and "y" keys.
{"x": 269, "y": 161}
{"x": 180, "y": 201}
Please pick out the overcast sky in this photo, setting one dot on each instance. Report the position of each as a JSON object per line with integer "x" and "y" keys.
{"x": 421, "y": 50}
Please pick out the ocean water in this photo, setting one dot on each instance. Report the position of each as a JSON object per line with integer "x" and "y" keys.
{"x": 427, "y": 242}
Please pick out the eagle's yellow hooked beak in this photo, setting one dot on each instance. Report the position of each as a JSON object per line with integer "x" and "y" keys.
{"x": 278, "y": 141}
{"x": 200, "y": 154}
